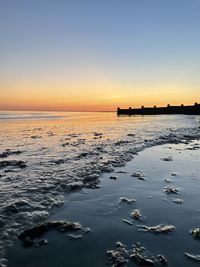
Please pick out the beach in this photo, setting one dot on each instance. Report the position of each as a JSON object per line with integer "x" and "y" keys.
{"x": 99, "y": 133}
{"x": 100, "y": 170}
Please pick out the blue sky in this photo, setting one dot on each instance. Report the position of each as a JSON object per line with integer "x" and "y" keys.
{"x": 134, "y": 47}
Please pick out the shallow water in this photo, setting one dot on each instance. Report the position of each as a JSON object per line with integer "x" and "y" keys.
{"x": 100, "y": 210}
{"x": 62, "y": 148}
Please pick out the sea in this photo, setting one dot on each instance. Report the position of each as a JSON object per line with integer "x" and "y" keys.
{"x": 44, "y": 156}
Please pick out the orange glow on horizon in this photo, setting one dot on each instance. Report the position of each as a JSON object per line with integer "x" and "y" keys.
{"x": 97, "y": 96}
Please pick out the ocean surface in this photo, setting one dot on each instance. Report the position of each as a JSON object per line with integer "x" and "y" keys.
{"x": 46, "y": 155}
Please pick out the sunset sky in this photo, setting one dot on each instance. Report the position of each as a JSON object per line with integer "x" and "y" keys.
{"x": 86, "y": 55}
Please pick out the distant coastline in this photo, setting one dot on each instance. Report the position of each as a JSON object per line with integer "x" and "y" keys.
{"x": 187, "y": 110}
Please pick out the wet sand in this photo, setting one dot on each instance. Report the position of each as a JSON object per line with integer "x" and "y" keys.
{"x": 101, "y": 211}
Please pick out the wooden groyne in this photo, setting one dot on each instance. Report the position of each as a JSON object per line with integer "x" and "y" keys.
{"x": 187, "y": 110}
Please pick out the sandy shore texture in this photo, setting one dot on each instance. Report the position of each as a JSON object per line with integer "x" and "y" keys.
{"x": 162, "y": 183}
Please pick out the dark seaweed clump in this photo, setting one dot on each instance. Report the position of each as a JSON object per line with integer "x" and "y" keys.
{"x": 37, "y": 231}
{"x": 9, "y": 152}
{"x": 14, "y": 163}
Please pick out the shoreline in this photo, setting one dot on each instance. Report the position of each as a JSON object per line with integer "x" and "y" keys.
{"x": 64, "y": 166}
{"x": 111, "y": 209}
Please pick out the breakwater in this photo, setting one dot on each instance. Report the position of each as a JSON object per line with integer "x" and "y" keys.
{"x": 182, "y": 109}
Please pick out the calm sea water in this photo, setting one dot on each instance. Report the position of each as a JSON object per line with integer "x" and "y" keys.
{"x": 60, "y": 150}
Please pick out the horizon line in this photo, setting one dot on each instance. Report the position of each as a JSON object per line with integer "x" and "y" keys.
{"x": 54, "y": 110}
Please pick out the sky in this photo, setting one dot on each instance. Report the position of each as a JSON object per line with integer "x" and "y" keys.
{"x": 86, "y": 55}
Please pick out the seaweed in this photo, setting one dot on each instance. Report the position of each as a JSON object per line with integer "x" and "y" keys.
{"x": 9, "y": 152}
{"x": 139, "y": 174}
{"x": 178, "y": 200}
{"x": 127, "y": 221}
{"x": 170, "y": 158}
{"x": 167, "y": 180}
{"x": 192, "y": 256}
{"x": 156, "y": 229}
{"x": 139, "y": 256}
{"x": 113, "y": 177}
{"x": 119, "y": 256}
{"x": 171, "y": 190}
{"x": 127, "y": 200}
{"x": 28, "y": 235}
{"x": 14, "y": 163}
{"x": 136, "y": 214}
{"x": 195, "y": 232}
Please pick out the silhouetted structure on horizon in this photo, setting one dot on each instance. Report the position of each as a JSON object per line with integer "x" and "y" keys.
{"x": 187, "y": 110}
